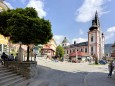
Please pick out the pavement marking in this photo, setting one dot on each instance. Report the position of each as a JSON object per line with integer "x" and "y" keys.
{"x": 85, "y": 79}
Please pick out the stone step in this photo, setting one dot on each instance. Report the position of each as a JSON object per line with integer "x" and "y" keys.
{"x": 15, "y": 82}
{"x": 3, "y": 68}
{"x": 5, "y": 73}
{"x": 8, "y": 80}
{"x": 7, "y": 76}
{"x": 6, "y": 70}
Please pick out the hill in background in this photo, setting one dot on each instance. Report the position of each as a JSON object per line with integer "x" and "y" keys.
{"x": 107, "y": 48}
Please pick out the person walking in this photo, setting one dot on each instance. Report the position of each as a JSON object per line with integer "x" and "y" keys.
{"x": 16, "y": 57}
{"x": 4, "y": 57}
{"x": 110, "y": 67}
{"x": 11, "y": 57}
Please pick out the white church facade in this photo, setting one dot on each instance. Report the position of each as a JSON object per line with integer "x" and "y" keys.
{"x": 94, "y": 45}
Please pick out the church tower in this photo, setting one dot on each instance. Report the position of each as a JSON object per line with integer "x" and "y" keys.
{"x": 65, "y": 42}
{"x": 96, "y": 39}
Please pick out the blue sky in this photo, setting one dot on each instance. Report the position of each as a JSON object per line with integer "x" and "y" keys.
{"x": 72, "y": 18}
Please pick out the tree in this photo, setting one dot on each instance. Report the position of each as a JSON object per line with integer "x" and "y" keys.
{"x": 95, "y": 58}
{"x": 60, "y": 51}
{"x": 23, "y": 25}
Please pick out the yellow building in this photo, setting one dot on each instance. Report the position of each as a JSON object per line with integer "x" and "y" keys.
{"x": 49, "y": 49}
{"x": 3, "y": 40}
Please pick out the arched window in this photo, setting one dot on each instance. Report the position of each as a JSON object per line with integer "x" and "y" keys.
{"x": 67, "y": 51}
{"x": 92, "y": 50}
{"x": 73, "y": 50}
{"x": 91, "y": 38}
{"x": 86, "y": 50}
{"x": 70, "y": 51}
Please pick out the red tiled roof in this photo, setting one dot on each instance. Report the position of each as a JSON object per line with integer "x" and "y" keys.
{"x": 78, "y": 54}
{"x": 47, "y": 49}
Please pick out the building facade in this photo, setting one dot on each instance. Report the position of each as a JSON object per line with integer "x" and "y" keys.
{"x": 113, "y": 51}
{"x": 3, "y": 40}
{"x": 94, "y": 45}
{"x": 49, "y": 49}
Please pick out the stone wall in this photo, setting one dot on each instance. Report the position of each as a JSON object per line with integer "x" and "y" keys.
{"x": 27, "y": 69}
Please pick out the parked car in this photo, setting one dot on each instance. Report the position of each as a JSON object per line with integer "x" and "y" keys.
{"x": 75, "y": 61}
{"x": 103, "y": 62}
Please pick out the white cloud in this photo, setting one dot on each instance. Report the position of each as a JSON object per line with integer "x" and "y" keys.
{"x": 81, "y": 32}
{"x": 58, "y": 39}
{"x": 9, "y": 5}
{"x": 112, "y": 29}
{"x": 39, "y": 6}
{"x": 78, "y": 40}
{"x": 86, "y": 12}
{"x": 110, "y": 33}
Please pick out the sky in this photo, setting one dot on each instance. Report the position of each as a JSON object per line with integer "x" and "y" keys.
{"x": 72, "y": 18}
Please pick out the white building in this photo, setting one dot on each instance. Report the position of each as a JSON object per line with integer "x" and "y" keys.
{"x": 94, "y": 45}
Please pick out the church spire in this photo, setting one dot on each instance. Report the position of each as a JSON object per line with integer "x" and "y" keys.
{"x": 96, "y": 15}
{"x": 95, "y": 22}
{"x": 97, "y": 19}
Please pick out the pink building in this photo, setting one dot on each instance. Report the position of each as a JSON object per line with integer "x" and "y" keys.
{"x": 94, "y": 45}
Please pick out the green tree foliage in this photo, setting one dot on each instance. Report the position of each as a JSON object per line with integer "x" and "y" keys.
{"x": 60, "y": 51}
{"x": 24, "y": 25}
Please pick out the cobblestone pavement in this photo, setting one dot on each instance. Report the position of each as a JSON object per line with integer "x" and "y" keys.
{"x": 52, "y": 73}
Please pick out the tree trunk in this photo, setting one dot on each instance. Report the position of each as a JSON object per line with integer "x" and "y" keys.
{"x": 28, "y": 53}
{"x": 96, "y": 60}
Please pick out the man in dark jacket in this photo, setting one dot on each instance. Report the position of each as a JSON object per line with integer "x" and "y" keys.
{"x": 4, "y": 57}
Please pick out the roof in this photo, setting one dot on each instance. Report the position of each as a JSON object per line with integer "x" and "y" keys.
{"x": 77, "y": 45}
{"x": 93, "y": 27}
{"x": 78, "y": 54}
{"x": 47, "y": 49}
{"x": 95, "y": 22}
{"x": 65, "y": 40}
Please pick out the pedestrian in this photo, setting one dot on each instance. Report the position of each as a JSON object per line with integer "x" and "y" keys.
{"x": 16, "y": 57}
{"x": 4, "y": 57}
{"x": 11, "y": 57}
{"x": 110, "y": 67}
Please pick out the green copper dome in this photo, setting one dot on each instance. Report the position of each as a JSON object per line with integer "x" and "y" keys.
{"x": 65, "y": 40}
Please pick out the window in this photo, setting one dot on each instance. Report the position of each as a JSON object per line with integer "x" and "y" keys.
{"x": 81, "y": 50}
{"x": 86, "y": 50}
{"x": 5, "y": 48}
{"x": 91, "y": 38}
{"x": 73, "y": 50}
{"x": 67, "y": 51}
{"x": 92, "y": 50}
{"x": 70, "y": 51}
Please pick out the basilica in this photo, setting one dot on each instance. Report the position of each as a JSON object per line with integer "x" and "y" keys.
{"x": 94, "y": 45}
